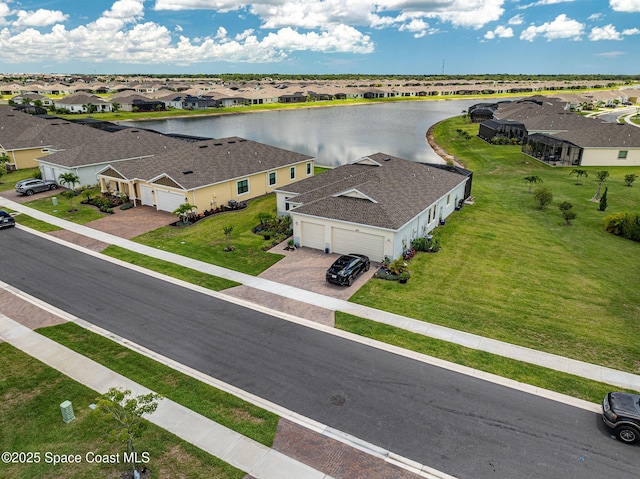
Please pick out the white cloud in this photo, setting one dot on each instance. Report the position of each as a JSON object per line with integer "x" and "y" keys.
{"x": 315, "y": 13}
{"x": 545, "y": 2}
{"x": 499, "y": 32}
{"x": 608, "y": 32}
{"x": 111, "y": 38}
{"x": 516, "y": 20}
{"x": 595, "y": 16}
{"x": 561, "y": 27}
{"x": 126, "y": 10}
{"x": 614, "y": 54}
{"x": 4, "y": 12}
{"x": 39, "y": 18}
{"x": 625, "y": 5}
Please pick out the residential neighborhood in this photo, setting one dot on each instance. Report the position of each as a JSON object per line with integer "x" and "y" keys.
{"x": 227, "y": 316}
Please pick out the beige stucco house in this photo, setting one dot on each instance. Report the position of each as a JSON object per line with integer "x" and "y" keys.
{"x": 206, "y": 174}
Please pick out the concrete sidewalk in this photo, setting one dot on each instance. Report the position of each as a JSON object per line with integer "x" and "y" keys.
{"x": 590, "y": 371}
{"x": 241, "y": 452}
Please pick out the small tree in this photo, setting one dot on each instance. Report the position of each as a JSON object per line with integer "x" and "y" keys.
{"x": 543, "y": 196}
{"x": 3, "y": 171}
{"x": 603, "y": 200}
{"x": 579, "y": 174}
{"x": 227, "y": 230}
{"x": 531, "y": 180}
{"x": 565, "y": 211}
{"x": 69, "y": 180}
{"x": 630, "y": 178}
{"x": 183, "y": 211}
{"x": 127, "y": 412}
{"x": 601, "y": 177}
{"x": 115, "y": 106}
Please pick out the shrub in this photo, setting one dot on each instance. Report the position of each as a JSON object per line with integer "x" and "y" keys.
{"x": 543, "y": 197}
{"x": 626, "y": 225}
{"x": 421, "y": 244}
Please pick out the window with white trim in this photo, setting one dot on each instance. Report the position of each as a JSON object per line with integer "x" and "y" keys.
{"x": 622, "y": 154}
{"x": 272, "y": 178}
{"x": 242, "y": 187}
{"x": 292, "y": 173}
{"x": 308, "y": 168}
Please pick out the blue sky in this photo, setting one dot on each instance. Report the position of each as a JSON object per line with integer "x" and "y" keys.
{"x": 321, "y": 36}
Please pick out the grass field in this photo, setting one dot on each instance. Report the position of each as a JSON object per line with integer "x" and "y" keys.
{"x": 206, "y": 241}
{"x": 31, "y": 421}
{"x": 513, "y": 272}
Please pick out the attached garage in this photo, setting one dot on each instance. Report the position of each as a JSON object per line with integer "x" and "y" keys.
{"x": 348, "y": 241}
{"x": 168, "y": 200}
{"x": 312, "y": 235}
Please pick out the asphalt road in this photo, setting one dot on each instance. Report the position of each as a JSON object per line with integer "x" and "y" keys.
{"x": 457, "y": 424}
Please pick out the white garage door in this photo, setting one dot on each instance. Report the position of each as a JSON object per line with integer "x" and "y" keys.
{"x": 346, "y": 241}
{"x": 146, "y": 194}
{"x": 168, "y": 200}
{"x": 312, "y": 235}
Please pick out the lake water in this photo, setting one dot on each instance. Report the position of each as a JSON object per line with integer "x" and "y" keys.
{"x": 333, "y": 135}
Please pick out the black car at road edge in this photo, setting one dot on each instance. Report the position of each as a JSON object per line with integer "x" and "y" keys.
{"x": 6, "y": 220}
{"x": 347, "y": 268}
{"x": 621, "y": 412}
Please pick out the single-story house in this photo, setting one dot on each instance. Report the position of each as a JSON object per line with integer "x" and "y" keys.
{"x": 376, "y": 205}
{"x": 79, "y": 103}
{"x": 91, "y": 156}
{"x": 596, "y": 144}
{"x": 206, "y": 174}
{"x": 24, "y": 138}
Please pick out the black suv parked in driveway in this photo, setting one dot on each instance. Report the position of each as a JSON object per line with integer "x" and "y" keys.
{"x": 34, "y": 185}
{"x": 621, "y": 412}
{"x": 6, "y": 220}
{"x": 347, "y": 268}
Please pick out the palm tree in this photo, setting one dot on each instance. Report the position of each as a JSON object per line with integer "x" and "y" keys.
{"x": 601, "y": 177}
{"x": 69, "y": 180}
{"x": 531, "y": 180}
{"x": 183, "y": 211}
{"x": 579, "y": 173}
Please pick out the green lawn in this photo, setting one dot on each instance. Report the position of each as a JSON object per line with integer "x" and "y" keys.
{"x": 526, "y": 373}
{"x": 170, "y": 269}
{"x": 74, "y": 212}
{"x": 30, "y": 421}
{"x": 8, "y": 181}
{"x": 512, "y": 272}
{"x": 206, "y": 241}
{"x": 222, "y": 407}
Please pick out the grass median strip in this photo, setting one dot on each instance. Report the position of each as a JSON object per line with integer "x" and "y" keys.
{"x": 31, "y": 422}
{"x": 170, "y": 269}
{"x": 563, "y": 383}
{"x": 217, "y": 405}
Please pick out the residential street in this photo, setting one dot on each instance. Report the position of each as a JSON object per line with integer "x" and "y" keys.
{"x": 454, "y": 423}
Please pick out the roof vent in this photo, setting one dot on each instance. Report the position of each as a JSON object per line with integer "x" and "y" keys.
{"x": 232, "y": 141}
{"x": 387, "y": 159}
{"x": 135, "y": 131}
{"x": 203, "y": 146}
{"x": 187, "y": 172}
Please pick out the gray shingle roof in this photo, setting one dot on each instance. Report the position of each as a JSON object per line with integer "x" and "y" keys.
{"x": 20, "y": 131}
{"x": 400, "y": 190}
{"x": 112, "y": 147}
{"x": 210, "y": 162}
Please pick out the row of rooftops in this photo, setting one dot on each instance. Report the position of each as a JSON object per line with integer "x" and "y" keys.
{"x": 139, "y": 153}
{"x": 163, "y": 88}
{"x": 548, "y": 115}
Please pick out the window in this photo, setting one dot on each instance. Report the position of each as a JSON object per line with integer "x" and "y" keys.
{"x": 622, "y": 154}
{"x": 448, "y": 199}
{"x": 308, "y": 168}
{"x": 272, "y": 178}
{"x": 292, "y": 172}
{"x": 243, "y": 187}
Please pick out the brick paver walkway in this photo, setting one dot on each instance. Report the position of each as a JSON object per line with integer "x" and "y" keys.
{"x": 333, "y": 457}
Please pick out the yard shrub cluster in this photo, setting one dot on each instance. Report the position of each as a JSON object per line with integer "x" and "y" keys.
{"x": 626, "y": 225}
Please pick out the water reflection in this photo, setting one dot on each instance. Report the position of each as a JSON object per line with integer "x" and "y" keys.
{"x": 333, "y": 135}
